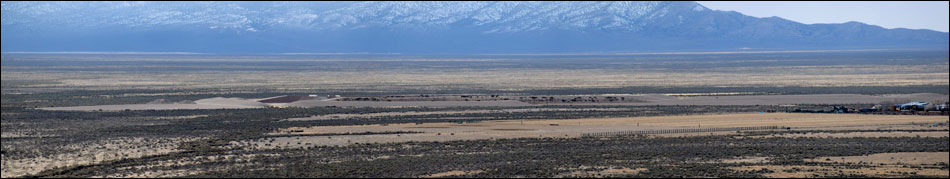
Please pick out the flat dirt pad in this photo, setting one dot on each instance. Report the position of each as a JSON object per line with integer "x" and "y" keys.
{"x": 411, "y": 113}
{"x": 821, "y": 171}
{"x": 317, "y": 103}
{"x": 662, "y": 99}
{"x": 865, "y": 134}
{"x": 619, "y": 172}
{"x": 914, "y": 158}
{"x": 452, "y": 173}
{"x": 577, "y": 127}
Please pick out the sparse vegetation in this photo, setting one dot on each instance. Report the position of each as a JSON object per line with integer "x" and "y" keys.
{"x": 221, "y": 142}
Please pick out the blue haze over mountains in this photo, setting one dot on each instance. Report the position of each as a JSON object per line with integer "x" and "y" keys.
{"x": 424, "y": 27}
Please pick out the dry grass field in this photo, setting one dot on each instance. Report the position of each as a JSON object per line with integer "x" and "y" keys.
{"x": 577, "y": 127}
{"x": 495, "y": 79}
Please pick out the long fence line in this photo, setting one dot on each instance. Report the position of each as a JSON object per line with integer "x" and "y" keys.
{"x": 671, "y": 131}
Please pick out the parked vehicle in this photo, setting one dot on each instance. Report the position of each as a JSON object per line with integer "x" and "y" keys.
{"x": 912, "y": 106}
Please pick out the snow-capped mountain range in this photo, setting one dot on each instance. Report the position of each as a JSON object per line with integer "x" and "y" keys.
{"x": 424, "y": 27}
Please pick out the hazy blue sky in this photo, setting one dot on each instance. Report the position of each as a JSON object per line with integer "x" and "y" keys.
{"x": 888, "y": 14}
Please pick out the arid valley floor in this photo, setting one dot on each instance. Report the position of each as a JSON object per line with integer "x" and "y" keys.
{"x": 623, "y": 115}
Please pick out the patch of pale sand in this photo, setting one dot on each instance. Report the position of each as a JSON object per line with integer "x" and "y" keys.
{"x": 345, "y": 116}
{"x": 912, "y": 158}
{"x": 319, "y": 103}
{"x": 796, "y": 120}
{"x": 693, "y": 134}
{"x": 153, "y": 174}
{"x": 799, "y": 171}
{"x": 18, "y": 134}
{"x": 148, "y": 107}
{"x": 921, "y": 126}
{"x": 601, "y": 172}
{"x": 182, "y": 117}
{"x": 624, "y": 171}
{"x": 746, "y": 159}
{"x": 453, "y": 173}
{"x": 860, "y": 134}
{"x": 575, "y": 127}
{"x": 210, "y": 103}
{"x": 230, "y": 102}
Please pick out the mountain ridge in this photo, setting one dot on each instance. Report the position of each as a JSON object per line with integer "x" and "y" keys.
{"x": 425, "y": 27}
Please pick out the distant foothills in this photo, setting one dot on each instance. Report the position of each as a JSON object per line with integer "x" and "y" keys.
{"x": 340, "y": 28}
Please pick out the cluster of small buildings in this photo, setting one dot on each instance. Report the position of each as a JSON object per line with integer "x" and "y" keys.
{"x": 911, "y": 106}
{"x": 920, "y": 106}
